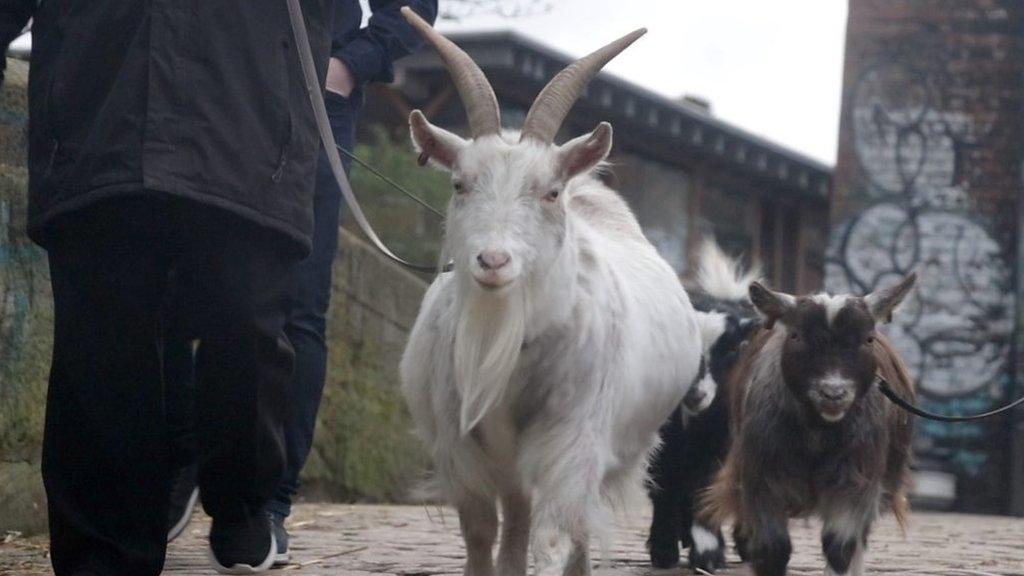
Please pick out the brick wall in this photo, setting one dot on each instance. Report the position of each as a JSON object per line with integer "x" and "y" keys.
{"x": 928, "y": 178}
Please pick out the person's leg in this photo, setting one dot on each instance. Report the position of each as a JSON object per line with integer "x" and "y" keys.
{"x": 239, "y": 279}
{"x": 179, "y": 396}
{"x": 307, "y": 321}
{"x": 105, "y": 457}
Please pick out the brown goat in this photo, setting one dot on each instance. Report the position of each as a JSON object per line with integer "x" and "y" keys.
{"x": 809, "y": 433}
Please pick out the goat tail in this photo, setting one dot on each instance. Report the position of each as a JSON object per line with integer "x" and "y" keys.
{"x": 899, "y": 503}
{"x": 722, "y": 276}
{"x": 898, "y": 477}
{"x": 719, "y": 502}
{"x": 900, "y": 507}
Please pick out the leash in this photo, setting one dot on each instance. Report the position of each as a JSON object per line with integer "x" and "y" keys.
{"x": 316, "y": 99}
{"x": 886, "y": 389}
{"x": 391, "y": 182}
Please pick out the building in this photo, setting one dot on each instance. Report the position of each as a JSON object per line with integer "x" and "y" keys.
{"x": 928, "y": 178}
{"x": 685, "y": 173}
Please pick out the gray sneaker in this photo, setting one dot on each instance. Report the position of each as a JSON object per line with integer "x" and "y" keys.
{"x": 281, "y": 555}
{"x": 184, "y": 494}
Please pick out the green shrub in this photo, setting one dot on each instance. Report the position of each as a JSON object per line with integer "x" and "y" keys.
{"x": 410, "y": 230}
{"x": 363, "y": 449}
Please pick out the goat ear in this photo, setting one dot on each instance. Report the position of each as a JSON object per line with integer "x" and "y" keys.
{"x": 584, "y": 152}
{"x": 882, "y": 303}
{"x": 433, "y": 143}
{"x": 771, "y": 305}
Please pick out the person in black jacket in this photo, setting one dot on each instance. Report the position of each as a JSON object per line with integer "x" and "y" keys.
{"x": 359, "y": 54}
{"x": 172, "y": 154}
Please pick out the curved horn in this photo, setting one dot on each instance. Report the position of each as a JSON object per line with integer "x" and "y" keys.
{"x": 556, "y": 99}
{"x": 474, "y": 90}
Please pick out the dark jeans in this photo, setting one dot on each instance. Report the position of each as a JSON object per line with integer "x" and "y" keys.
{"x": 307, "y": 321}
{"x": 306, "y": 326}
{"x": 127, "y": 272}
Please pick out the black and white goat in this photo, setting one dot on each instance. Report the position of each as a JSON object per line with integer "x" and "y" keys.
{"x": 695, "y": 438}
{"x": 809, "y": 435}
{"x": 540, "y": 368}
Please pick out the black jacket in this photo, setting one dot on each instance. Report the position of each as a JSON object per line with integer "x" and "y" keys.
{"x": 370, "y": 51}
{"x": 202, "y": 99}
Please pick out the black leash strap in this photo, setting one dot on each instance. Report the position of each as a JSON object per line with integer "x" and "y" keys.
{"x": 391, "y": 182}
{"x": 885, "y": 388}
{"x": 316, "y": 99}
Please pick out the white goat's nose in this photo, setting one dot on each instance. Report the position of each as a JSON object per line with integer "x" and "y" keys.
{"x": 493, "y": 259}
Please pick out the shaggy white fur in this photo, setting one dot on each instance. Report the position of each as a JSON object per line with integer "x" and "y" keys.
{"x": 542, "y": 385}
{"x": 723, "y": 277}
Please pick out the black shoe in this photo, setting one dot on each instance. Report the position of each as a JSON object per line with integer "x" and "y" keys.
{"x": 246, "y": 547}
{"x": 281, "y": 555}
{"x": 184, "y": 493}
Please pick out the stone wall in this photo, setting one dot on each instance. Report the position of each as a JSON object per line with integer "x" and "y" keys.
{"x": 928, "y": 178}
{"x": 25, "y": 319}
{"x": 363, "y": 450}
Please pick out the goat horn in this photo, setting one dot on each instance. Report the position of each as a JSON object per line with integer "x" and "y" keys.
{"x": 557, "y": 98}
{"x": 474, "y": 90}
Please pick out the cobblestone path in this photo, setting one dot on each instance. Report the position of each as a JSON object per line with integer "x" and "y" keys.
{"x": 363, "y": 540}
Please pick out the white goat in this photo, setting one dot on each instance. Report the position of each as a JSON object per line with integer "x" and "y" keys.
{"x": 539, "y": 370}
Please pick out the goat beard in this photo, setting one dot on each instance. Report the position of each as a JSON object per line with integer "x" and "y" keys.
{"x": 488, "y": 340}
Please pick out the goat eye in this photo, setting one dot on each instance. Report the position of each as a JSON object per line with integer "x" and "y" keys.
{"x": 794, "y": 336}
{"x": 552, "y": 195}
{"x": 869, "y": 340}
{"x": 459, "y": 189}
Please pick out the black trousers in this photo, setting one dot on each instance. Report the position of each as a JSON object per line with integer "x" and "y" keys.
{"x": 125, "y": 273}
{"x": 306, "y": 326}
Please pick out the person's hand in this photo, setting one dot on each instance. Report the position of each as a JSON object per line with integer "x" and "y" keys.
{"x": 339, "y": 78}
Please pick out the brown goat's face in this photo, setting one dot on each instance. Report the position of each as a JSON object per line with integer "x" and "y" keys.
{"x": 828, "y": 358}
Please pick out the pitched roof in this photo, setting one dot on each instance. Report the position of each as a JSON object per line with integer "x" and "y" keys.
{"x": 519, "y": 66}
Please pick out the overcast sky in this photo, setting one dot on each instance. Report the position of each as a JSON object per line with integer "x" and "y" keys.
{"x": 771, "y": 67}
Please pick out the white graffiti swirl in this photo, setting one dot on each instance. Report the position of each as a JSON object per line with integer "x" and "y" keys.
{"x": 909, "y": 136}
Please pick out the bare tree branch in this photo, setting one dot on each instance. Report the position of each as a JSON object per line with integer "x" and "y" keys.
{"x": 461, "y": 9}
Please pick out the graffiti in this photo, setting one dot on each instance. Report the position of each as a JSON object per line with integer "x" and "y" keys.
{"x": 914, "y": 129}
{"x": 911, "y": 135}
{"x": 954, "y": 332}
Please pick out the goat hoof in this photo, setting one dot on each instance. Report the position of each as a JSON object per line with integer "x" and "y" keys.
{"x": 770, "y": 558}
{"x": 708, "y": 560}
{"x": 664, "y": 555}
